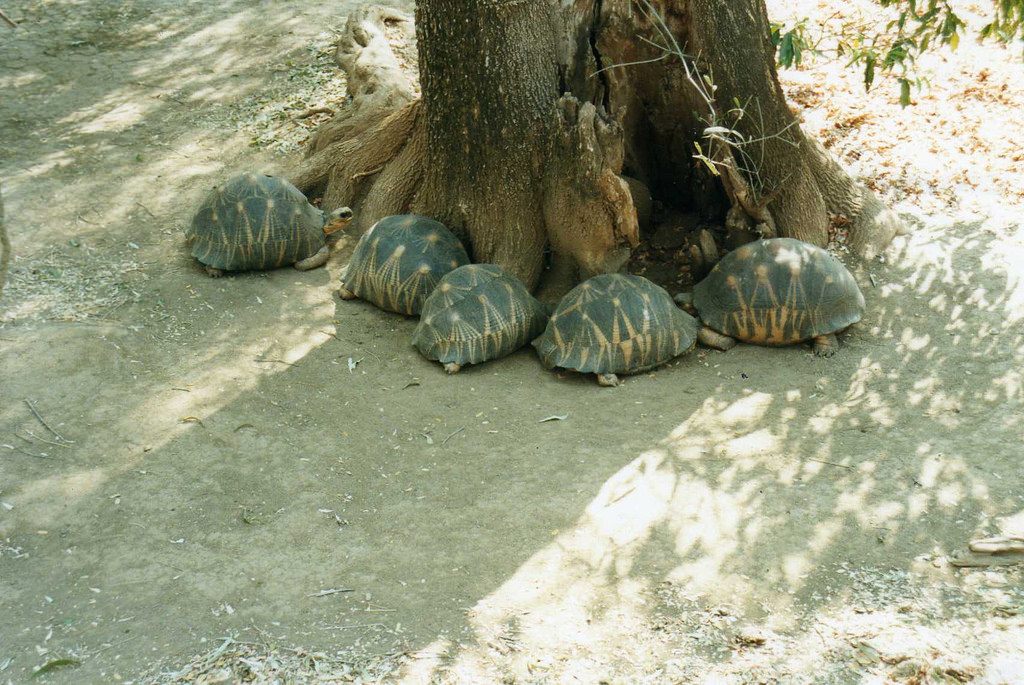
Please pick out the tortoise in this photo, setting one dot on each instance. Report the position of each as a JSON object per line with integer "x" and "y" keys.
{"x": 476, "y": 313}
{"x": 257, "y": 221}
{"x": 779, "y": 291}
{"x": 615, "y": 323}
{"x": 399, "y": 261}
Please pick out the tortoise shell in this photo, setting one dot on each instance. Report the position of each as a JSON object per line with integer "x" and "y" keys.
{"x": 255, "y": 221}
{"x": 399, "y": 261}
{"x": 615, "y": 323}
{"x": 476, "y": 313}
{"x": 779, "y": 291}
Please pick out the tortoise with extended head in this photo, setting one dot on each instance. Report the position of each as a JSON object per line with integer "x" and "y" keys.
{"x": 256, "y": 221}
{"x": 615, "y": 323}
{"x": 399, "y": 261}
{"x": 476, "y": 313}
{"x": 774, "y": 292}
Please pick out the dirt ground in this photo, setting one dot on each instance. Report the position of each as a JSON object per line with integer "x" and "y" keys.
{"x": 207, "y": 480}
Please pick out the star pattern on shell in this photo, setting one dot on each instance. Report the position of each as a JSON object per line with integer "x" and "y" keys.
{"x": 780, "y": 291}
{"x": 400, "y": 260}
{"x": 613, "y": 324}
{"x": 255, "y": 221}
{"x": 478, "y": 312}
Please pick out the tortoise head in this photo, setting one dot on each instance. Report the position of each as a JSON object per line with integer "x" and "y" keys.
{"x": 685, "y": 302}
{"x": 608, "y": 262}
{"x": 336, "y": 220}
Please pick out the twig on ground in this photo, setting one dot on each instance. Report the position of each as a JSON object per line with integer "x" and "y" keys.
{"x": 7, "y": 20}
{"x": 145, "y": 209}
{"x": 313, "y": 110}
{"x": 966, "y": 559}
{"x": 113, "y": 644}
{"x": 5, "y": 247}
{"x": 331, "y": 591}
{"x": 358, "y": 625}
{"x": 831, "y": 463}
{"x": 274, "y": 361}
{"x": 41, "y": 439}
{"x": 453, "y": 434}
{"x": 27, "y": 454}
{"x": 35, "y": 412}
{"x": 998, "y": 545}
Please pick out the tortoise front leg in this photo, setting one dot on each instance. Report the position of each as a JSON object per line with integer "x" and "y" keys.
{"x": 714, "y": 339}
{"x": 213, "y": 272}
{"x": 318, "y": 259}
{"x": 452, "y": 367}
{"x": 825, "y": 345}
{"x": 608, "y": 380}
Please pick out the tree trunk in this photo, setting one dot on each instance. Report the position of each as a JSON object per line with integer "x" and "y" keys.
{"x": 533, "y": 110}
{"x": 803, "y": 183}
{"x": 489, "y": 89}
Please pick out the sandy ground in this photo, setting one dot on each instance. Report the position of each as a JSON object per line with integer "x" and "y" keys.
{"x": 188, "y": 465}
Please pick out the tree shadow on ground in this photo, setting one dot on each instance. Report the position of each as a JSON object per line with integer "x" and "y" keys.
{"x": 242, "y": 445}
{"x": 775, "y": 500}
{"x": 478, "y": 537}
{"x": 118, "y": 114}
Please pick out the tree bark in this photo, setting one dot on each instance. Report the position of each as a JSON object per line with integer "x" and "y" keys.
{"x": 533, "y": 110}
{"x": 369, "y": 156}
{"x": 803, "y": 183}
{"x": 489, "y": 88}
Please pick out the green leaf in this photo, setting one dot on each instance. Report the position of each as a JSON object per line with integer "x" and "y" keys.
{"x": 704, "y": 158}
{"x": 904, "y": 92}
{"x": 869, "y": 71}
{"x": 897, "y": 55}
{"x": 954, "y": 40}
{"x": 54, "y": 665}
{"x": 786, "y": 50}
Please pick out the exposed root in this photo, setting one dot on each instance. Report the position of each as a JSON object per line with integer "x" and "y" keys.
{"x": 394, "y": 187}
{"x": 568, "y": 191}
{"x": 375, "y": 53}
{"x": 351, "y": 171}
{"x": 588, "y": 209}
{"x": 354, "y": 157}
{"x": 873, "y": 224}
{"x": 369, "y": 155}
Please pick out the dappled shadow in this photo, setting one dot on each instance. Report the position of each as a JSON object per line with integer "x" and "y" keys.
{"x": 242, "y": 445}
{"x": 484, "y": 540}
{"x": 120, "y": 113}
{"x": 772, "y": 492}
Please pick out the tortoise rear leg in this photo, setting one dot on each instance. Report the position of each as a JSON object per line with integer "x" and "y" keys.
{"x": 715, "y": 339}
{"x": 452, "y": 367}
{"x": 213, "y": 272}
{"x": 608, "y": 380}
{"x": 346, "y": 294}
{"x": 318, "y": 259}
{"x": 825, "y": 345}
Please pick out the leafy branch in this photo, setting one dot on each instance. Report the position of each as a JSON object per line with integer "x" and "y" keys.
{"x": 917, "y": 27}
